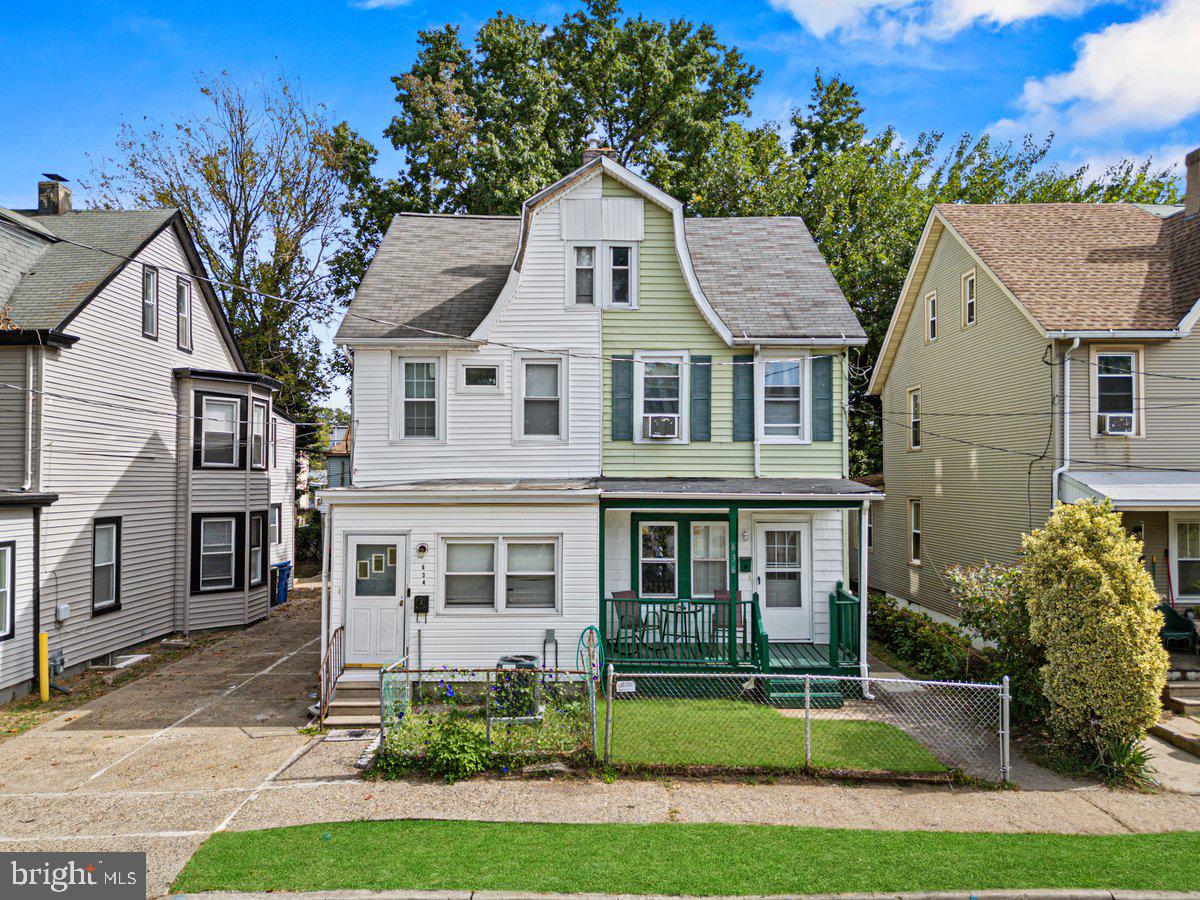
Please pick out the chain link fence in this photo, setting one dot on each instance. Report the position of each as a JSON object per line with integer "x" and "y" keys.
{"x": 525, "y": 715}
{"x": 763, "y": 722}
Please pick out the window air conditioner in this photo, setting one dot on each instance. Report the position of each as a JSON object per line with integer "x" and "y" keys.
{"x": 1115, "y": 423}
{"x": 660, "y": 427}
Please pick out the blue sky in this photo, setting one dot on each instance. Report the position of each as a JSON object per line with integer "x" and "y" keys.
{"x": 1109, "y": 78}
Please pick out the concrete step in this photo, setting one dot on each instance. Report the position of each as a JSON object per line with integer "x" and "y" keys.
{"x": 1188, "y": 705}
{"x": 353, "y": 704}
{"x": 1184, "y": 688}
{"x": 1181, "y": 732}
{"x": 358, "y": 687}
{"x": 352, "y": 721}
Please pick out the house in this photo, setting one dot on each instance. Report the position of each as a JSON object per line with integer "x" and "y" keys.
{"x": 598, "y": 414}
{"x": 1041, "y": 352}
{"x": 145, "y": 476}
{"x": 337, "y": 459}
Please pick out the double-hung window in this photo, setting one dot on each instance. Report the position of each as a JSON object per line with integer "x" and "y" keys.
{"x": 531, "y": 574}
{"x": 258, "y": 540}
{"x": 419, "y": 401}
{"x": 501, "y": 573}
{"x": 106, "y": 564}
{"x": 470, "y": 581}
{"x": 218, "y": 555}
{"x": 968, "y": 299}
{"x": 662, "y": 391}
{"x": 1116, "y": 393}
{"x": 583, "y": 275}
{"x": 183, "y": 313}
{"x": 218, "y": 431}
{"x": 541, "y": 398}
{"x": 782, "y": 394}
{"x": 914, "y": 419}
{"x": 622, "y": 275}
{"x": 8, "y": 589}
{"x": 914, "y": 531}
{"x": 274, "y": 442}
{"x": 258, "y": 435}
{"x": 150, "y": 302}
{"x": 1187, "y": 557}
{"x": 931, "y": 314}
{"x": 658, "y": 564}
{"x": 710, "y": 559}
{"x": 276, "y": 523}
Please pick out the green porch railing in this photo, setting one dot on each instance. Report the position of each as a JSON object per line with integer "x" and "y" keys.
{"x": 682, "y": 632}
{"x": 844, "y": 612}
{"x": 762, "y": 644}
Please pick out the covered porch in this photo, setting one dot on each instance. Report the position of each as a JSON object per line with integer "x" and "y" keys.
{"x": 719, "y": 574}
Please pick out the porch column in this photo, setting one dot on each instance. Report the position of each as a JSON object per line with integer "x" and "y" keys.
{"x": 733, "y": 583}
{"x": 603, "y": 617}
{"x": 863, "y": 586}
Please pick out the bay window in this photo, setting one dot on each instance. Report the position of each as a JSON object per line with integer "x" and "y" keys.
{"x": 218, "y": 431}
{"x": 258, "y": 555}
{"x": 217, "y": 557}
{"x": 258, "y": 436}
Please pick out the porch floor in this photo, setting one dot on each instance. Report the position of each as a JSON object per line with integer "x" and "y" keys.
{"x": 786, "y": 657}
{"x": 791, "y": 656}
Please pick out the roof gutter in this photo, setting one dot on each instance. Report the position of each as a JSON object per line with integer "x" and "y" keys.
{"x": 842, "y": 341}
{"x": 1151, "y": 334}
{"x": 1056, "y": 477}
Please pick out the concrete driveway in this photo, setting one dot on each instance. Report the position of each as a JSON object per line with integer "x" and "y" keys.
{"x": 211, "y": 742}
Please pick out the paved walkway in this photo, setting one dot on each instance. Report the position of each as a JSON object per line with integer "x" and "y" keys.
{"x": 211, "y": 743}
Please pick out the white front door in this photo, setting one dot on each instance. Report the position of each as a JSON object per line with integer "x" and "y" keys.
{"x": 783, "y": 579}
{"x": 376, "y": 566}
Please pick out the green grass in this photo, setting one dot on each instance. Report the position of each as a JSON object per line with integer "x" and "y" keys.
{"x": 737, "y": 734}
{"x": 679, "y": 859}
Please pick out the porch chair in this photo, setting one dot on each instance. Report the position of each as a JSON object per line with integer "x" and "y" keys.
{"x": 1177, "y": 627}
{"x": 630, "y": 620}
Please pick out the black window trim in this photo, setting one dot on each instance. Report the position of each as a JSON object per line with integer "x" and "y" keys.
{"x": 239, "y": 552}
{"x": 152, "y": 335}
{"x": 241, "y": 439}
{"x": 263, "y": 520}
{"x": 116, "y": 604}
{"x": 12, "y": 589}
{"x": 181, "y": 281}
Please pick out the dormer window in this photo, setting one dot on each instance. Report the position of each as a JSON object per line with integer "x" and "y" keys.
{"x": 583, "y": 280}
{"x": 622, "y": 285}
{"x": 602, "y": 274}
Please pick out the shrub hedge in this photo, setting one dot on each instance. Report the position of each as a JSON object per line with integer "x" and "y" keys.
{"x": 935, "y": 650}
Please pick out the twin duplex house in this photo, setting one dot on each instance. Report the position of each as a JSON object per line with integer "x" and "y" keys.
{"x": 598, "y": 414}
{"x": 1041, "y": 353}
{"x": 146, "y": 479}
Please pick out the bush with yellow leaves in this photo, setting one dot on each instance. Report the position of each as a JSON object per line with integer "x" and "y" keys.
{"x": 1092, "y": 609}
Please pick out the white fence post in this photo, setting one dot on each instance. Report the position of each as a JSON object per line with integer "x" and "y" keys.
{"x": 1005, "y": 760}
{"x": 807, "y": 721}
{"x": 608, "y": 702}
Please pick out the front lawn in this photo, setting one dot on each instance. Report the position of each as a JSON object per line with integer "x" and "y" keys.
{"x": 739, "y": 734}
{"x": 679, "y": 859}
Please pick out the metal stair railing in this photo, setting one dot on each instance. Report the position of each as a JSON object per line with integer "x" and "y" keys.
{"x": 333, "y": 664}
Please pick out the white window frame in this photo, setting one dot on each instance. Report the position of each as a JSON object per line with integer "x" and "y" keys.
{"x": 970, "y": 299}
{"x": 461, "y": 386}
{"x": 1174, "y": 520}
{"x": 275, "y": 523}
{"x": 804, "y": 361}
{"x": 597, "y": 289}
{"x": 150, "y": 304}
{"x": 8, "y": 596}
{"x": 258, "y": 442}
{"x": 1135, "y": 352}
{"x": 232, "y": 553}
{"x": 683, "y": 359}
{"x": 931, "y": 317}
{"x": 723, "y": 558}
{"x": 204, "y": 422}
{"x": 916, "y": 529}
{"x": 115, "y": 563}
{"x": 500, "y": 544}
{"x": 609, "y": 303}
{"x": 439, "y": 380}
{"x": 183, "y": 314}
{"x": 258, "y": 573}
{"x": 913, "y": 416}
{"x": 642, "y": 560}
{"x": 519, "y": 435}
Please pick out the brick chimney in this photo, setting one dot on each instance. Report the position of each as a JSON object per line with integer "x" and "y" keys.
{"x": 54, "y": 197}
{"x": 593, "y": 149}
{"x": 1191, "y": 199}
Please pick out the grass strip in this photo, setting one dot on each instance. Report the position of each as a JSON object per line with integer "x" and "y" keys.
{"x": 679, "y": 859}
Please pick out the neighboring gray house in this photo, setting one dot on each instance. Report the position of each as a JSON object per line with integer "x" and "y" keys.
{"x": 146, "y": 483}
{"x": 1041, "y": 352}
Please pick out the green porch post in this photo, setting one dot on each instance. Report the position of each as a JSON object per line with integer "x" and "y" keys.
{"x": 733, "y": 583}
{"x": 603, "y": 623}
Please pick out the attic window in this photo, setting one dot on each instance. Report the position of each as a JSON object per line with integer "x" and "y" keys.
{"x": 583, "y": 279}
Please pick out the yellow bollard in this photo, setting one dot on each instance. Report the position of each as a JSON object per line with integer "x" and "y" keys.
{"x": 44, "y": 665}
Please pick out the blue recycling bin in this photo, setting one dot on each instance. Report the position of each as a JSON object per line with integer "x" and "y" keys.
{"x": 283, "y": 578}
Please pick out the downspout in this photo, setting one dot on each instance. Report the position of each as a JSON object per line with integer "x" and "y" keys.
{"x": 1066, "y": 425}
{"x": 37, "y": 589}
{"x": 325, "y": 517}
{"x": 28, "y": 482}
{"x": 863, "y": 591}
{"x": 248, "y": 459}
{"x": 757, "y": 424}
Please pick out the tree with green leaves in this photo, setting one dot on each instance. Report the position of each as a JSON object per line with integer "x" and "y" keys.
{"x": 259, "y": 186}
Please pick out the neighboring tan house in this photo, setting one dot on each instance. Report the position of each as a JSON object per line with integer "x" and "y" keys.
{"x": 121, "y": 518}
{"x": 1041, "y": 352}
{"x": 597, "y": 414}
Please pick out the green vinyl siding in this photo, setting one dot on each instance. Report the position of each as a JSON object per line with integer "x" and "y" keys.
{"x": 667, "y": 318}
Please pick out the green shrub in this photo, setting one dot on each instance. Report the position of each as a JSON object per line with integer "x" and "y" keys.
{"x": 1092, "y": 609}
{"x": 308, "y": 542}
{"x": 456, "y": 750}
{"x": 993, "y": 606}
{"x": 936, "y": 650}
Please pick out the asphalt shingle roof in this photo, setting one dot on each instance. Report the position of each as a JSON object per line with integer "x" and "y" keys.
{"x": 764, "y": 277}
{"x": 64, "y": 275}
{"x": 1082, "y": 266}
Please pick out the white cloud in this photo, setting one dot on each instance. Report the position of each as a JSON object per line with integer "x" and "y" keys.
{"x": 911, "y": 20}
{"x": 1139, "y": 75}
